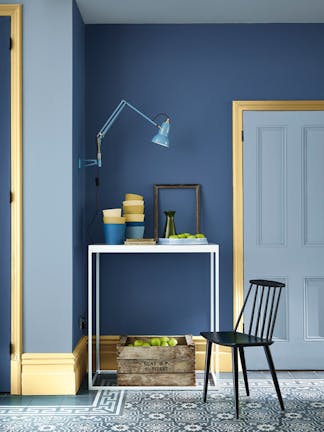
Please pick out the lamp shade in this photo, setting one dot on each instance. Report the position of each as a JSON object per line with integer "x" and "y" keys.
{"x": 162, "y": 137}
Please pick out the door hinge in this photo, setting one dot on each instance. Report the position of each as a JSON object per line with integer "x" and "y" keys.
{"x": 242, "y": 135}
{"x": 10, "y": 43}
{"x": 10, "y": 197}
{"x": 11, "y": 350}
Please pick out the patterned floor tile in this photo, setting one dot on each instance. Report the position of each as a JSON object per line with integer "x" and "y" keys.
{"x": 181, "y": 411}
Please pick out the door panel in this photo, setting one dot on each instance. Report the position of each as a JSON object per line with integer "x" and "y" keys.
{"x": 4, "y": 204}
{"x": 271, "y": 180}
{"x": 314, "y": 300}
{"x": 283, "y": 180}
{"x": 312, "y": 177}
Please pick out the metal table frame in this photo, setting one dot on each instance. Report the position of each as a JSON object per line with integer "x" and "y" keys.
{"x": 98, "y": 249}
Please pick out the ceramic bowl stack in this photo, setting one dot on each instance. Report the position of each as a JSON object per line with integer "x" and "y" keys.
{"x": 133, "y": 208}
{"x": 114, "y": 226}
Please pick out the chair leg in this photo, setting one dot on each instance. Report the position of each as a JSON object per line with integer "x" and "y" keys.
{"x": 207, "y": 366}
{"x": 235, "y": 380}
{"x": 242, "y": 356}
{"x": 274, "y": 375}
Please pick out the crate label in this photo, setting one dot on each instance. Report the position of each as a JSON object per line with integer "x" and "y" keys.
{"x": 156, "y": 366}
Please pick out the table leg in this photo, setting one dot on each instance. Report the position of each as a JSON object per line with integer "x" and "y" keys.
{"x": 212, "y": 292}
{"x": 89, "y": 320}
{"x": 212, "y": 298}
{"x": 97, "y": 312}
{"x": 216, "y": 257}
{"x": 214, "y": 303}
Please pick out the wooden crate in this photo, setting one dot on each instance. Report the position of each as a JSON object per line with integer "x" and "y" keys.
{"x": 156, "y": 365}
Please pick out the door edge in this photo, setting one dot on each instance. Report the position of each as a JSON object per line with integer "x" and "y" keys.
{"x": 14, "y": 11}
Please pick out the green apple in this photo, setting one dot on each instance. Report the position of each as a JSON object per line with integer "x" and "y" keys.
{"x": 155, "y": 341}
{"x": 191, "y": 237}
{"x": 200, "y": 235}
{"x": 164, "y": 339}
{"x": 138, "y": 342}
{"x": 183, "y": 235}
{"x": 146, "y": 344}
{"x": 164, "y": 343}
{"x": 173, "y": 236}
{"x": 173, "y": 342}
{"x": 130, "y": 345}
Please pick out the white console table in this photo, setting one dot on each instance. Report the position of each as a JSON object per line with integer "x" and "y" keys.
{"x": 98, "y": 249}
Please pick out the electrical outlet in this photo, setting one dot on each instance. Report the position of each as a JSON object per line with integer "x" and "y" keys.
{"x": 82, "y": 323}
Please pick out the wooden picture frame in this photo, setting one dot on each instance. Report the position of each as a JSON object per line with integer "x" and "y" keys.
{"x": 156, "y": 189}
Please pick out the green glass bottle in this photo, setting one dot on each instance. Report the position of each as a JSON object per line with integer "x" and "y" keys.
{"x": 169, "y": 228}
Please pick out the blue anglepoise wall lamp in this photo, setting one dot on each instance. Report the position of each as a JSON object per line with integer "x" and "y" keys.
{"x": 161, "y": 138}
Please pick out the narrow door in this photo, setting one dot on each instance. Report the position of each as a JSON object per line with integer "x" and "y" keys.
{"x": 283, "y": 172}
{"x": 4, "y": 204}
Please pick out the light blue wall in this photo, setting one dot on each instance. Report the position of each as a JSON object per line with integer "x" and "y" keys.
{"x": 47, "y": 175}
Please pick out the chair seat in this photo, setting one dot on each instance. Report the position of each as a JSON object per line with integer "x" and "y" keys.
{"x": 237, "y": 339}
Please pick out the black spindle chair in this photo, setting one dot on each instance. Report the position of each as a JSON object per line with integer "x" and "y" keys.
{"x": 264, "y": 308}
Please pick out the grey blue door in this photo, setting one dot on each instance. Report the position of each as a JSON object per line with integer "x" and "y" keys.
{"x": 4, "y": 204}
{"x": 283, "y": 178}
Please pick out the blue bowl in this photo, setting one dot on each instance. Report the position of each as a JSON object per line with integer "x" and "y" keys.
{"x": 134, "y": 232}
{"x": 114, "y": 233}
{"x": 129, "y": 224}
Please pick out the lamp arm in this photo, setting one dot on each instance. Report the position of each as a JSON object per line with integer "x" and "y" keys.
{"x": 105, "y": 128}
{"x": 143, "y": 115}
{"x": 101, "y": 134}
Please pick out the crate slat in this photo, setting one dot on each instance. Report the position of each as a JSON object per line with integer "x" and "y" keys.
{"x": 156, "y": 353}
{"x": 155, "y": 366}
{"x": 162, "y": 379}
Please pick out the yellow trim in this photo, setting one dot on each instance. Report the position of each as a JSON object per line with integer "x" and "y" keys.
{"x": 15, "y": 13}
{"x": 238, "y": 109}
{"x": 62, "y": 373}
{"x": 221, "y": 359}
{"x": 54, "y": 373}
{"x": 80, "y": 354}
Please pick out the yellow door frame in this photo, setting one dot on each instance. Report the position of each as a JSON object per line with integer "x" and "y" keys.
{"x": 238, "y": 109}
{"x": 14, "y": 11}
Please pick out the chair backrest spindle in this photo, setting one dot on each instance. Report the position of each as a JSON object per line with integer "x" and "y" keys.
{"x": 259, "y": 312}
{"x": 243, "y": 307}
{"x": 275, "y": 313}
{"x": 265, "y": 311}
{"x": 253, "y": 309}
{"x": 271, "y": 312}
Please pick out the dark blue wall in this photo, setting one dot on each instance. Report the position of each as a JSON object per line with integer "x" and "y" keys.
{"x": 193, "y": 72}
{"x": 79, "y": 249}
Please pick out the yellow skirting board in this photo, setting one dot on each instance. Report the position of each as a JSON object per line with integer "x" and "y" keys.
{"x": 62, "y": 373}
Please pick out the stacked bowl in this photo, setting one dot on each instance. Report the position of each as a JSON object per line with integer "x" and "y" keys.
{"x": 133, "y": 208}
{"x": 114, "y": 226}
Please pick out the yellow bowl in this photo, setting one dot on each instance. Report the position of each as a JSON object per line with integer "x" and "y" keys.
{"x": 129, "y": 196}
{"x": 116, "y": 212}
{"x": 114, "y": 220}
{"x": 137, "y": 209}
{"x": 134, "y": 217}
{"x": 133, "y": 202}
